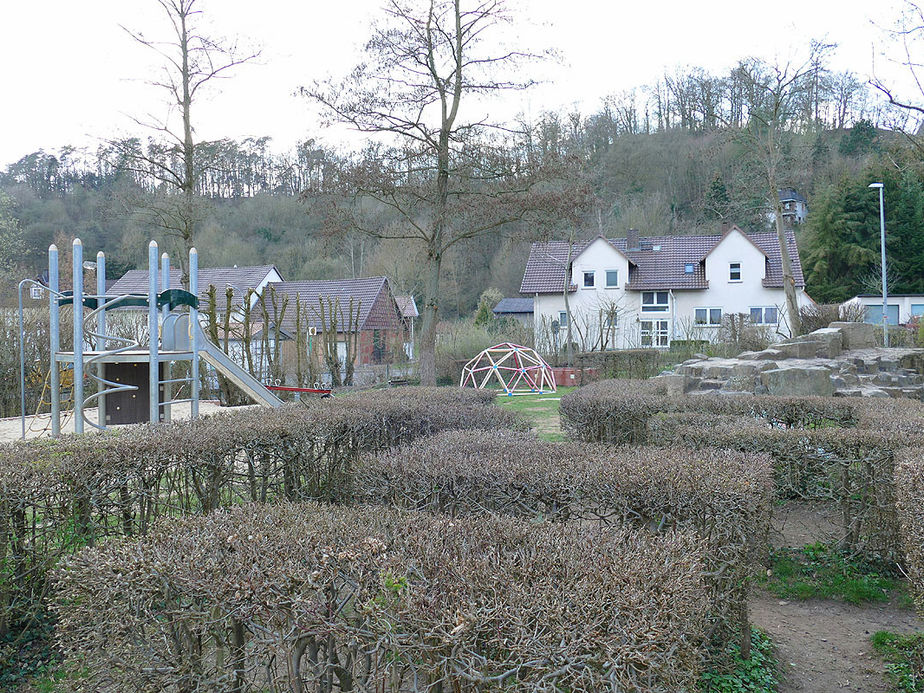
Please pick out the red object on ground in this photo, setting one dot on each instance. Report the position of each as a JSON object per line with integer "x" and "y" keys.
{"x": 284, "y": 388}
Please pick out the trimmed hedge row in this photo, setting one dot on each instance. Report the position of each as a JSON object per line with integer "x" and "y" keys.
{"x": 59, "y": 496}
{"x": 836, "y": 449}
{"x": 722, "y": 496}
{"x": 909, "y": 482}
{"x": 325, "y": 598}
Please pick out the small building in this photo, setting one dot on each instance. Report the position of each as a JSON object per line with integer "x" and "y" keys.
{"x": 240, "y": 279}
{"x": 407, "y": 309}
{"x": 649, "y": 291}
{"x": 902, "y": 308}
{"x": 375, "y": 315}
{"x": 795, "y": 208}
{"x": 519, "y": 309}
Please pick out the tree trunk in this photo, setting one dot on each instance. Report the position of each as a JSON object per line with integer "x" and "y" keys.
{"x": 430, "y": 316}
{"x": 789, "y": 282}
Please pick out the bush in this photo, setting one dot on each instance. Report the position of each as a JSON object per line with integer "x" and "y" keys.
{"x": 331, "y": 598}
{"x": 722, "y": 496}
{"x": 909, "y": 484}
{"x": 58, "y": 496}
{"x": 836, "y": 449}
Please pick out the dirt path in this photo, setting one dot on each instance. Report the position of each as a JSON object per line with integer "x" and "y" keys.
{"x": 823, "y": 646}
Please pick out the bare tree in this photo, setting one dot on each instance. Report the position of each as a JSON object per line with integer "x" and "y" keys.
{"x": 191, "y": 60}
{"x": 776, "y": 111}
{"x": 443, "y": 171}
{"x": 907, "y": 35}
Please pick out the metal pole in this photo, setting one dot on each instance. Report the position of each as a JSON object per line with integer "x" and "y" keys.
{"x": 168, "y": 369}
{"x": 153, "y": 360}
{"x": 22, "y": 365}
{"x": 54, "y": 340}
{"x": 194, "y": 334}
{"x": 101, "y": 342}
{"x": 885, "y": 290}
{"x": 78, "y": 335}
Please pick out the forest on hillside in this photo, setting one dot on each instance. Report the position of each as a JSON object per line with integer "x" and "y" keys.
{"x": 667, "y": 158}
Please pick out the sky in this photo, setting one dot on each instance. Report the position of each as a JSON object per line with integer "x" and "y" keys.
{"x": 71, "y": 74}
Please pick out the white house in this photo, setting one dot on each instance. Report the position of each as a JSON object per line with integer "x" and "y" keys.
{"x": 902, "y": 308}
{"x": 631, "y": 292}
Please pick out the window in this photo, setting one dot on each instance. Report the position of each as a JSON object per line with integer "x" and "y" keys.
{"x": 764, "y": 315}
{"x": 612, "y": 279}
{"x": 654, "y": 301}
{"x": 688, "y": 268}
{"x": 563, "y": 320}
{"x": 654, "y": 333}
{"x": 588, "y": 280}
{"x": 734, "y": 271}
{"x": 710, "y": 317}
{"x": 917, "y": 309}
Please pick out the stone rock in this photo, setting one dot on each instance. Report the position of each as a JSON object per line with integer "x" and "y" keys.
{"x": 830, "y": 342}
{"x": 873, "y": 392}
{"x": 883, "y": 378}
{"x": 716, "y": 371}
{"x": 747, "y": 355}
{"x": 798, "y": 350}
{"x": 711, "y": 385}
{"x": 769, "y": 355}
{"x": 856, "y": 335}
{"x": 798, "y": 381}
{"x": 740, "y": 383}
{"x": 913, "y": 362}
{"x": 837, "y": 382}
{"x": 888, "y": 365}
{"x": 849, "y": 392}
{"x": 676, "y": 384}
{"x": 748, "y": 368}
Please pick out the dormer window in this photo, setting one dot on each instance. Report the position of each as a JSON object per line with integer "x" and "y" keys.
{"x": 588, "y": 280}
{"x": 734, "y": 271}
{"x": 688, "y": 268}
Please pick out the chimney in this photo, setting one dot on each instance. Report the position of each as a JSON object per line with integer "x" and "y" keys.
{"x": 632, "y": 242}
{"x": 724, "y": 228}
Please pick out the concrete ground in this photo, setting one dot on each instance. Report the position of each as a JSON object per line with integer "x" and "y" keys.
{"x": 40, "y": 426}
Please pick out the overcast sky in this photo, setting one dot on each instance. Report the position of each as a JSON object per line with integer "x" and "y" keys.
{"x": 71, "y": 75}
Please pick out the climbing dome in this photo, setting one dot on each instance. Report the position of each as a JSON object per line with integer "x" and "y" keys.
{"x": 513, "y": 367}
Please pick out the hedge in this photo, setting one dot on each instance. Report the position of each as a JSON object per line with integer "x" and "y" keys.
{"x": 722, "y": 496}
{"x": 58, "y": 496}
{"x": 324, "y": 598}
{"x": 837, "y": 449}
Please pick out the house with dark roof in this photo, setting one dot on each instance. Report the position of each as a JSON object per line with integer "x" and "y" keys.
{"x": 368, "y": 304}
{"x": 795, "y": 207}
{"x": 241, "y": 279}
{"x": 519, "y": 309}
{"x": 649, "y": 291}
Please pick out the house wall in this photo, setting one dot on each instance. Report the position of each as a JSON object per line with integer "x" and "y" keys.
{"x": 906, "y": 307}
{"x": 588, "y": 307}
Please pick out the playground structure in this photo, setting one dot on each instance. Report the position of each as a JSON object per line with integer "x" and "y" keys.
{"x": 517, "y": 369}
{"x": 116, "y": 363}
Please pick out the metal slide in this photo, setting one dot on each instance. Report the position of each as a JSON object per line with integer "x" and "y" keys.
{"x": 220, "y": 362}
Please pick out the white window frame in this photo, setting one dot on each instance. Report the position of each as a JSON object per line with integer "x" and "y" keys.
{"x": 655, "y": 306}
{"x": 708, "y": 322}
{"x": 730, "y": 270}
{"x": 606, "y": 279}
{"x": 763, "y": 315}
{"x": 36, "y": 293}
{"x": 593, "y": 279}
{"x": 563, "y": 320}
{"x": 656, "y": 334}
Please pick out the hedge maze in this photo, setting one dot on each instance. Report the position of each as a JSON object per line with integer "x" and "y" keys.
{"x": 423, "y": 540}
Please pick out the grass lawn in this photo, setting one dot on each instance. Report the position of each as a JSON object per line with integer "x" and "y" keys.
{"x": 822, "y": 571}
{"x": 540, "y": 410}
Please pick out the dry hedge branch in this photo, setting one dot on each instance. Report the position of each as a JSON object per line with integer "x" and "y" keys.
{"x": 722, "y": 496}
{"x": 836, "y": 449}
{"x": 302, "y": 597}
{"x": 58, "y": 496}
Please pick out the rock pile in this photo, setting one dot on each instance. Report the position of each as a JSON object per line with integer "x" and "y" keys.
{"x": 842, "y": 360}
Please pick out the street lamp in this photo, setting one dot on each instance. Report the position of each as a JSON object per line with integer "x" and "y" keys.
{"x": 885, "y": 293}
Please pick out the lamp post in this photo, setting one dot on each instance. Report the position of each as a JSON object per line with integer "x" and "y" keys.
{"x": 885, "y": 292}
